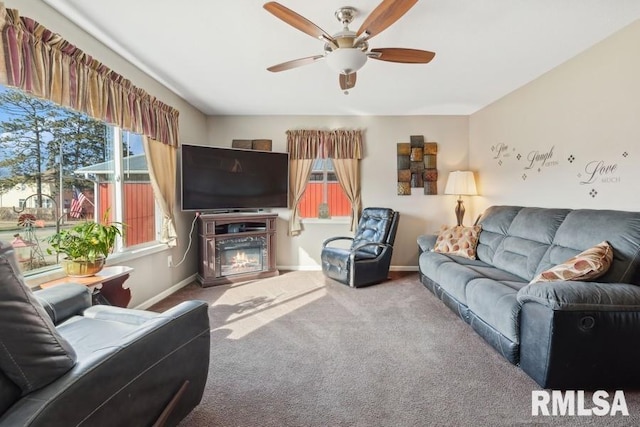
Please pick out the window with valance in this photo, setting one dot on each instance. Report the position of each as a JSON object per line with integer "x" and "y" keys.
{"x": 306, "y": 148}
{"x": 45, "y": 66}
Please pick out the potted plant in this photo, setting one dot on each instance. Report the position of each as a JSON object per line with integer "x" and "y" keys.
{"x": 86, "y": 246}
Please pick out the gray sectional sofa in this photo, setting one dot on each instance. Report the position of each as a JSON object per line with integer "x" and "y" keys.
{"x": 565, "y": 334}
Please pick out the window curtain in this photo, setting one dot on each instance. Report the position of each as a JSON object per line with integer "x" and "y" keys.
{"x": 344, "y": 147}
{"x": 348, "y": 173}
{"x": 161, "y": 163}
{"x": 345, "y": 151}
{"x": 44, "y": 64}
{"x": 302, "y": 146}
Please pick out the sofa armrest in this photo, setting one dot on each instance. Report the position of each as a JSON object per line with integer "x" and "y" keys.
{"x": 580, "y": 296}
{"x": 64, "y": 300}
{"x": 426, "y": 242}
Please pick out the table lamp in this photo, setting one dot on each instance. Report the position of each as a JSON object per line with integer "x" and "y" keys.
{"x": 461, "y": 183}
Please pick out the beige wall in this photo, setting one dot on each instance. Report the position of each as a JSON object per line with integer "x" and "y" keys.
{"x": 419, "y": 213}
{"x": 586, "y": 113}
{"x": 151, "y": 276}
{"x": 585, "y": 110}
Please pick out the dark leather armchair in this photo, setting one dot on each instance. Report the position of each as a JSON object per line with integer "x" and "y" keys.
{"x": 64, "y": 362}
{"x": 367, "y": 260}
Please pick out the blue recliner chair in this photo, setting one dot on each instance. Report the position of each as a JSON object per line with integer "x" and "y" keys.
{"x": 367, "y": 260}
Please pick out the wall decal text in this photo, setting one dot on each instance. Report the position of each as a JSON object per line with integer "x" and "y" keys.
{"x": 599, "y": 170}
{"x": 539, "y": 159}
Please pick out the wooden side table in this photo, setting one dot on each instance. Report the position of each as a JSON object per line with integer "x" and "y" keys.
{"x": 109, "y": 281}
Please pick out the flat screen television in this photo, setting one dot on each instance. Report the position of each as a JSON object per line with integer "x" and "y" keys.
{"x": 218, "y": 179}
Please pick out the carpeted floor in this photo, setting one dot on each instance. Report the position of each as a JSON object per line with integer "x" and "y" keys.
{"x": 299, "y": 350}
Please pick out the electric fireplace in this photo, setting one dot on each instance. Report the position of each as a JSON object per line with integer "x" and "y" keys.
{"x": 235, "y": 247}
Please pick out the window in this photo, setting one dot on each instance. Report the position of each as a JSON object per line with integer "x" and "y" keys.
{"x": 63, "y": 167}
{"x": 323, "y": 191}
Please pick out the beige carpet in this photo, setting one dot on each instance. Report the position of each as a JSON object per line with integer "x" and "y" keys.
{"x": 299, "y": 350}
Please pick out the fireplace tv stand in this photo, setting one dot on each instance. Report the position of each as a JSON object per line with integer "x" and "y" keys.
{"x": 235, "y": 247}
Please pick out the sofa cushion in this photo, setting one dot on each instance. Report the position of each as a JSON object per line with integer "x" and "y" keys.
{"x": 495, "y": 222}
{"x": 584, "y": 228}
{"x": 90, "y": 335}
{"x": 587, "y": 265}
{"x": 452, "y": 273}
{"x": 495, "y": 303}
{"x": 453, "y": 278}
{"x": 528, "y": 239}
{"x": 32, "y": 352}
{"x": 458, "y": 240}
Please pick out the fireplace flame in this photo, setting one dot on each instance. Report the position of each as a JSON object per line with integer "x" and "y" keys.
{"x": 241, "y": 260}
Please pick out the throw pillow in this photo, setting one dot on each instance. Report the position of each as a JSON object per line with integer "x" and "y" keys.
{"x": 587, "y": 265}
{"x": 458, "y": 240}
{"x": 32, "y": 352}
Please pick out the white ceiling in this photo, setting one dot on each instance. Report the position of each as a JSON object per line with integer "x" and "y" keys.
{"x": 215, "y": 53}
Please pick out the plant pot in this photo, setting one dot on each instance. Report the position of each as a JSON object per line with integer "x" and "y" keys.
{"x": 81, "y": 268}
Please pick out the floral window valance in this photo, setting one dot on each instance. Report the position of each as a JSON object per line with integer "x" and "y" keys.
{"x": 44, "y": 64}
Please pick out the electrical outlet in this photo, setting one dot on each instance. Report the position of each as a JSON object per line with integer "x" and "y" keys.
{"x": 169, "y": 261}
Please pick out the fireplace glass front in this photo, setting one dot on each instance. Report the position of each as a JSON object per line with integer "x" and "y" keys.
{"x": 239, "y": 255}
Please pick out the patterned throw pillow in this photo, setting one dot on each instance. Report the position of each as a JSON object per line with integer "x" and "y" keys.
{"x": 458, "y": 240}
{"x": 587, "y": 265}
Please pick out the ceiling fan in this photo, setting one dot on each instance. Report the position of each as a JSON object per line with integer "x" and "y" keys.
{"x": 347, "y": 51}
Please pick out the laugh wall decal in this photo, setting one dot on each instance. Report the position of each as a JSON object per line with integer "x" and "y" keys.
{"x": 594, "y": 174}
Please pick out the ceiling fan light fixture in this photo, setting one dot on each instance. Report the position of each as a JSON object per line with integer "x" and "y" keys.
{"x": 346, "y": 60}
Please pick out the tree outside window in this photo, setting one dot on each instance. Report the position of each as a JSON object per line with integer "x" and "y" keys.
{"x": 50, "y": 156}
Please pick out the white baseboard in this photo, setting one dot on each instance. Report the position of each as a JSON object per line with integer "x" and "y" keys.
{"x": 404, "y": 268}
{"x": 299, "y": 267}
{"x": 148, "y": 303}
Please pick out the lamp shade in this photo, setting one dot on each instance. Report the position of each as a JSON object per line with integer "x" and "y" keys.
{"x": 346, "y": 60}
{"x": 461, "y": 183}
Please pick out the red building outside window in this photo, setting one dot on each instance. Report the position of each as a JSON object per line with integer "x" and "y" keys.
{"x": 323, "y": 187}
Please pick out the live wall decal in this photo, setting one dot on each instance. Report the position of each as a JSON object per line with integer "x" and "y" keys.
{"x": 417, "y": 166}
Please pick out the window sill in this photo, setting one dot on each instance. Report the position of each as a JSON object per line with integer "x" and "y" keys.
{"x": 118, "y": 258}
{"x": 136, "y": 252}
{"x": 334, "y": 220}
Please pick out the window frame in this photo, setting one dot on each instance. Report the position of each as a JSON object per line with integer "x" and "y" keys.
{"x": 326, "y": 171}
{"x": 121, "y": 252}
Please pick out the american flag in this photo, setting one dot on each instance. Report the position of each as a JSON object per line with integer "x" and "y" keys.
{"x": 76, "y": 203}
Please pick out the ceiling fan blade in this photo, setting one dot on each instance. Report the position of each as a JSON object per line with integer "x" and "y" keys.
{"x": 295, "y": 63}
{"x": 405, "y": 56}
{"x": 296, "y": 21}
{"x": 347, "y": 81}
{"x": 387, "y": 12}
